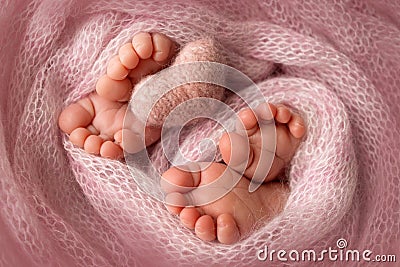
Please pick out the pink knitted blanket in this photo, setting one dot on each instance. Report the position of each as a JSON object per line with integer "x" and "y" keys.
{"x": 337, "y": 62}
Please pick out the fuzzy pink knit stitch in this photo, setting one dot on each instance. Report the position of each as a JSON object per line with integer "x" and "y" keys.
{"x": 337, "y": 62}
{"x": 205, "y": 49}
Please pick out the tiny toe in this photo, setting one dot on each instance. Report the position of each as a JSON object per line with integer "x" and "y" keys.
{"x": 144, "y": 68}
{"x": 296, "y": 126}
{"x": 111, "y": 150}
{"x": 161, "y": 47}
{"x": 175, "y": 202}
{"x": 248, "y": 119}
{"x": 143, "y": 45}
{"x": 232, "y": 142}
{"x": 227, "y": 230}
{"x": 175, "y": 180}
{"x": 225, "y": 147}
{"x": 189, "y": 217}
{"x": 115, "y": 69}
{"x": 78, "y": 136}
{"x": 92, "y": 144}
{"x": 112, "y": 89}
{"x": 205, "y": 228}
{"x": 118, "y": 137}
{"x": 283, "y": 114}
{"x": 128, "y": 56}
{"x": 266, "y": 111}
{"x": 273, "y": 109}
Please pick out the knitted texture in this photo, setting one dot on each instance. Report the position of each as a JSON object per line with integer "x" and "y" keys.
{"x": 199, "y": 50}
{"x": 336, "y": 62}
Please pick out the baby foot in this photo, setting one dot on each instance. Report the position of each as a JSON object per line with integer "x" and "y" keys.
{"x": 235, "y": 214}
{"x": 229, "y": 218}
{"x": 146, "y": 54}
{"x": 290, "y": 128}
{"x": 95, "y": 122}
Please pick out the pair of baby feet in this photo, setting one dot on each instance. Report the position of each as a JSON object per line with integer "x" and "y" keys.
{"x": 95, "y": 123}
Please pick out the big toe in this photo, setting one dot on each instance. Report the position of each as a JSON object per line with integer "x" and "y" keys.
{"x": 180, "y": 179}
{"x": 235, "y": 151}
{"x": 114, "y": 90}
{"x": 143, "y": 45}
{"x": 162, "y": 47}
{"x": 73, "y": 117}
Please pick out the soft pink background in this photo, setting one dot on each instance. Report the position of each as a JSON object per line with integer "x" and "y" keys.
{"x": 338, "y": 64}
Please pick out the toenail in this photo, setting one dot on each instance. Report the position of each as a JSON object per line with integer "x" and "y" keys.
{"x": 201, "y": 232}
{"x": 222, "y": 225}
{"x": 298, "y": 123}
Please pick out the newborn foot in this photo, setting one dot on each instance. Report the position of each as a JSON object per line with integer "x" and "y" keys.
{"x": 290, "y": 128}
{"x": 95, "y": 122}
{"x": 236, "y": 213}
{"x": 146, "y": 54}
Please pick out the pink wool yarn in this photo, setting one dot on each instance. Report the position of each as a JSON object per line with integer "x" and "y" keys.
{"x": 205, "y": 49}
{"x": 337, "y": 62}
